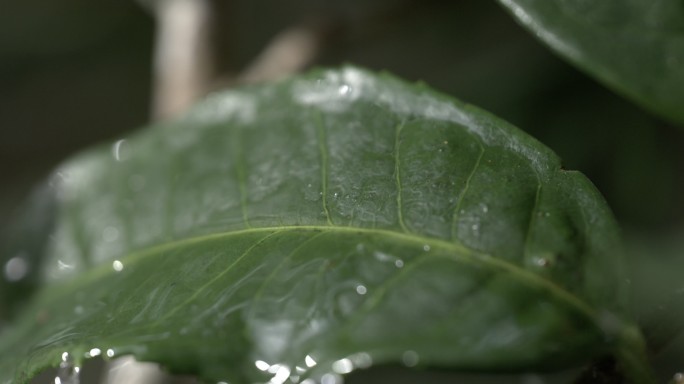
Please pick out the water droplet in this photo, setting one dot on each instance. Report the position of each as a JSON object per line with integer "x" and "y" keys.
{"x": 361, "y": 290}
{"x": 410, "y": 358}
{"x": 93, "y": 352}
{"x": 345, "y": 89}
{"x": 331, "y": 378}
{"x": 119, "y": 150}
{"x": 67, "y": 373}
{"x": 362, "y": 360}
{"x": 78, "y": 309}
{"x": 117, "y": 265}
{"x": 309, "y": 361}
{"x": 282, "y": 374}
{"x": 262, "y": 365}
{"x": 426, "y": 248}
{"x": 309, "y": 185}
{"x": 273, "y": 368}
{"x": 485, "y": 208}
{"x": 110, "y": 353}
{"x": 335, "y": 195}
{"x": 382, "y": 256}
{"x": 16, "y": 268}
{"x": 399, "y": 263}
{"x": 343, "y": 366}
{"x": 110, "y": 234}
{"x": 475, "y": 227}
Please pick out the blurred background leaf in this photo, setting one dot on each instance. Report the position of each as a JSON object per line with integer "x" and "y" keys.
{"x": 635, "y": 47}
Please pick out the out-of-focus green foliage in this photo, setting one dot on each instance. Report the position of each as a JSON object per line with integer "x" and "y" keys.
{"x": 636, "y": 47}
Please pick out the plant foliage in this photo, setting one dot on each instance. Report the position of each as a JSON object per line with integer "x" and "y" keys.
{"x": 318, "y": 225}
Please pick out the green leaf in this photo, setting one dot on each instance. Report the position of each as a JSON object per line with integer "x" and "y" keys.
{"x": 335, "y": 215}
{"x": 635, "y": 47}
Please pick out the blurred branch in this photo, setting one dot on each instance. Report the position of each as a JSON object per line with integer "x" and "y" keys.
{"x": 127, "y": 370}
{"x": 182, "y": 58}
{"x": 288, "y": 52}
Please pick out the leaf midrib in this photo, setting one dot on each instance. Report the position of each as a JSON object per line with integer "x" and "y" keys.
{"x": 457, "y": 251}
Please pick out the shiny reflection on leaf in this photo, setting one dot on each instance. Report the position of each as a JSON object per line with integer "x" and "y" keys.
{"x": 281, "y": 374}
{"x": 93, "y": 352}
{"x": 410, "y": 358}
{"x": 16, "y": 268}
{"x": 117, "y": 265}
{"x": 343, "y": 366}
{"x": 309, "y": 361}
{"x": 331, "y": 378}
{"x": 262, "y": 365}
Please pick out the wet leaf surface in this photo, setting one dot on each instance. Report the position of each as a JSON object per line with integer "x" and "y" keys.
{"x": 319, "y": 225}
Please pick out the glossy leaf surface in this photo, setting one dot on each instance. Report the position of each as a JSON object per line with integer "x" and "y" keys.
{"x": 321, "y": 224}
{"x": 635, "y": 47}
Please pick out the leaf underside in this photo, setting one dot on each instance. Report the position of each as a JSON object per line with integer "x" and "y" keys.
{"x": 635, "y": 47}
{"x": 338, "y": 214}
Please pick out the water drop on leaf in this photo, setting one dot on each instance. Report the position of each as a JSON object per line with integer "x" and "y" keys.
{"x": 68, "y": 372}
